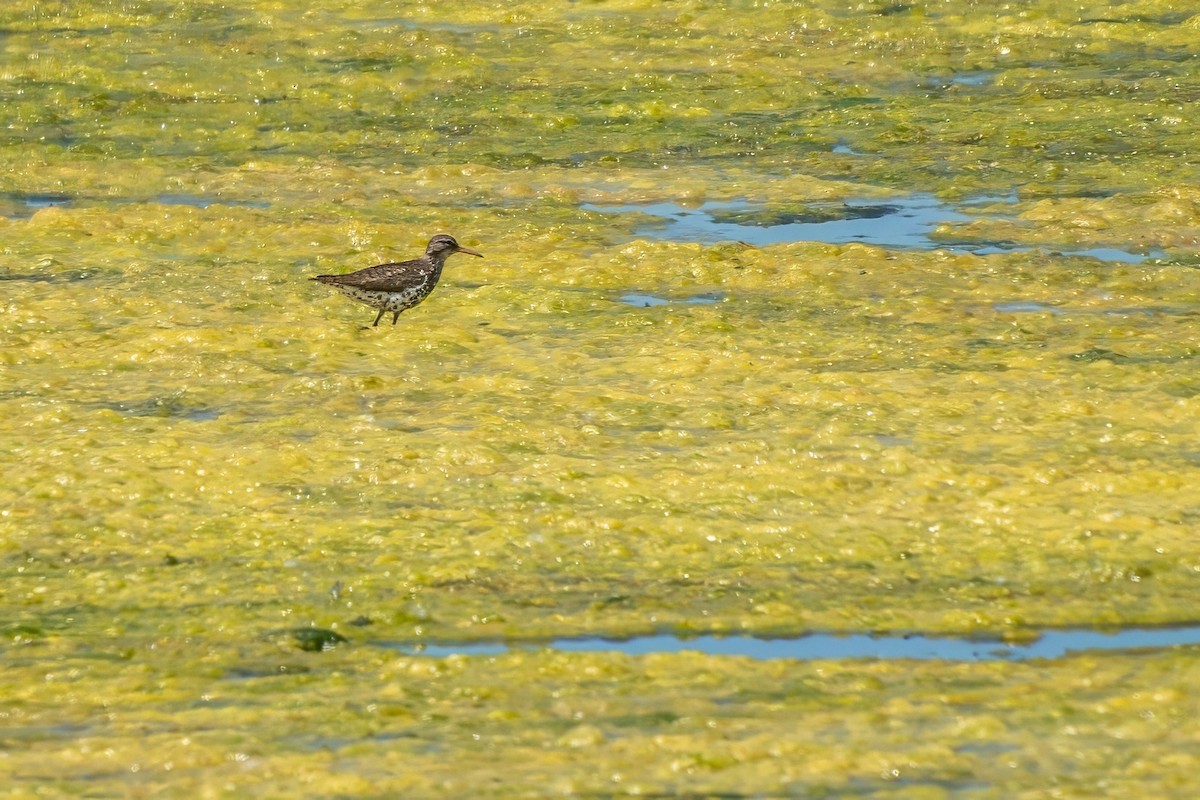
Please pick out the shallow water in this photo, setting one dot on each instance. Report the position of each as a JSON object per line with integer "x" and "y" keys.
{"x": 815, "y": 647}
{"x": 650, "y": 300}
{"x": 902, "y": 222}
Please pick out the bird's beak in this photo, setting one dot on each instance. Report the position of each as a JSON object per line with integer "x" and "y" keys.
{"x": 469, "y": 251}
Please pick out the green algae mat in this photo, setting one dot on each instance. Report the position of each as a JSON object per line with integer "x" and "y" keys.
{"x": 228, "y": 505}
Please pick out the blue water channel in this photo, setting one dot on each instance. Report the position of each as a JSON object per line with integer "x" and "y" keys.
{"x": 905, "y": 222}
{"x": 820, "y": 646}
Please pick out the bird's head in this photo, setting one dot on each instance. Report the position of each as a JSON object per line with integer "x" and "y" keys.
{"x": 442, "y": 247}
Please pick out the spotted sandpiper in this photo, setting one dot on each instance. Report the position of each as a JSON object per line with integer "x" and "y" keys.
{"x": 399, "y": 286}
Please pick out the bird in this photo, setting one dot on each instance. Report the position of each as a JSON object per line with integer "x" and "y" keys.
{"x": 398, "y": 286}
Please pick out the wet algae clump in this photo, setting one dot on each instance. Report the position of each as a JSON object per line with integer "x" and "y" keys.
{"x": 768, "y": 218}
{"x": 317, "y": 640}
{"x": 211, "y": 474}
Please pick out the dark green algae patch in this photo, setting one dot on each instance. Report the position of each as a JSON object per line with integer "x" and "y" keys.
{"x": 202, "y": 449}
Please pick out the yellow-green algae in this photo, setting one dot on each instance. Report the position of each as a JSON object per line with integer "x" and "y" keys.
{"x": 234, "y": 719}
{"x": 204, "y": 451}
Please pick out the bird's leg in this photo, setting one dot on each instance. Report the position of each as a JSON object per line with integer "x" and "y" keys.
{"x": 381, "y": 311}
{"x": 395, "y": 317}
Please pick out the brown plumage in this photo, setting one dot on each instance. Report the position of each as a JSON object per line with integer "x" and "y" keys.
{"x": 399, "y": 286}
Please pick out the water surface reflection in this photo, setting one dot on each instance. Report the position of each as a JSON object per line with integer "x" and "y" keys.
{"x": 820, "y": 646}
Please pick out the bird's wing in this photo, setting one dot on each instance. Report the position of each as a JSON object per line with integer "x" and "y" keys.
{"x": 387, "y": 277}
